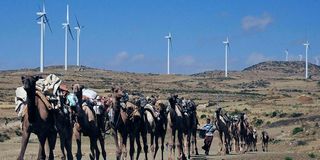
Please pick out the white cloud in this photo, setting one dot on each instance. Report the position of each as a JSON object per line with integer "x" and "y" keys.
{"x": 137, "y": 57}
{"x": 121, "y": 57}
{"x": 255, "y": 58}
{"x": 186, "y": 60}
{"x": 124, "y": 57}
{"x": 256, "y": 22}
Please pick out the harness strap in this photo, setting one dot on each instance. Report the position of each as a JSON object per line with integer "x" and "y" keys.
{"x": 44, "y": 100}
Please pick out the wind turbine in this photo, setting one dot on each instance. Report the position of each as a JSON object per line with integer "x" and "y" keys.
{"x": 227, "y": 47}
{"x": 307, "y": 47}
{"x": 317, "y": 60}
{"x": 43, "y": 20}
{"x": 66, "y": 26}
{"x": 169, "y": 38}
{"x": 78, "y": 29}
{"x": 300, "y": 57}
{"x": 287, "y": 55}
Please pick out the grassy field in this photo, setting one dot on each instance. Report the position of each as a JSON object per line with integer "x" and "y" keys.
{"x": 275, "y": 101}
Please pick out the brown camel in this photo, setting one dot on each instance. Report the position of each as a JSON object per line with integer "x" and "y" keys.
{"x": 243, "y": 133}
{"x": 192, "y": 117}
{"x": 64, "y": 127}
{"x": 38, "y": 120}
{"x": 265, "y": 140}
{"x": 119, "y": 123}
{"x": 86, "y": 124}
{"x": 176, "y": 123}
{"x": 222, "y": 125}
{"x": 234, "y": 133}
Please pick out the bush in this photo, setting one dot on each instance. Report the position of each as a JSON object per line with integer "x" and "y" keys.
{"x": 3, "y": 137}
{"x": 301, "y": 143}
{"x": 296, "y": 114}
{"x": 288, "y": 158}
{"x": 258, "y": 122}
{"x": 312, "y": 155}
{"x": 297, "y": 130}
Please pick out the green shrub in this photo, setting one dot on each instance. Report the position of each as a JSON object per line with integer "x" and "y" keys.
{"x": 312, "y": 155}
{"x": 258, "y": 122}
{"x": 288, "y": 158}
{"x": 296, "y": 114}
{"x": 297, "y": 130}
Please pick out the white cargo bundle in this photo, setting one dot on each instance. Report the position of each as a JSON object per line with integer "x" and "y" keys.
{"x": 89, "y": 93}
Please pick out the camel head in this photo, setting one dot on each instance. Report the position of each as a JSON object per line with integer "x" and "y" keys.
{"x": 117, "y": 92}
{"x": 29, "y": 82}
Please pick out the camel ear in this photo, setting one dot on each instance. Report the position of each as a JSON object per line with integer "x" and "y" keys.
{"x": 37, "y": 77}
{"x": 23, "y": 78}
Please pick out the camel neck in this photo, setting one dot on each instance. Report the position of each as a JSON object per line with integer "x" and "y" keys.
{"x": 31, "y": 96}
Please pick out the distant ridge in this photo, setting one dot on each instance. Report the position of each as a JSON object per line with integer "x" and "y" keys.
{"x": 290, "y": 67}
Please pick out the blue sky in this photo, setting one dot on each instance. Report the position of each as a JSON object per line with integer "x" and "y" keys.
{"x": 127, "y": 35}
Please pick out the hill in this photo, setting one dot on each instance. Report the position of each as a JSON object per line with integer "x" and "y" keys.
{"x": 274, "y": 98}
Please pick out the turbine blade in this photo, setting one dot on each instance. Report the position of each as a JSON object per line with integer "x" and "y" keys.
{"x": 78, "y": 22}
{"x": 70, "y": 32}
{"x": 171, "y": 45}
{"x": 47, "y": 22}
{"x": 39, "y": 17}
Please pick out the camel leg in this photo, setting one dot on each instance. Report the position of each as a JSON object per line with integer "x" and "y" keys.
{"x": 194, "y": 139}
{"x": 156, "y": 148}
{"x": 171, "y": 142}
{"x": 226, "y": 143}
{"x": 77, "y": 136}
{"x": 62, "y": 145}
{"x": 221, "y": 142}
{"x": 131, "y": 150}
{"x": 152, "y": 139}
{"x": 145, "y": 144}
{"x": 103, "y": 150}
{"x": 24, "y": 144}
{"x": 180, "y": 145}
{"x": 68, "y": 146}
{"x": 95, "y": 153}
{"x": 188, "y": 144}
{"x": 162, "y": 144}
{"x": 116, "y": 141}
{"x": 124, "y": 145}
{"x": 139, "y": 148}
{"x": 52, "y": 138}
{"x": 41, "y": 153}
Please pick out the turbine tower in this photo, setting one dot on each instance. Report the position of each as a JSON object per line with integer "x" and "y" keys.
{"x": 169, "y": 38}
{"x": 66, "y": 26}
{"x": 227, "y": 46}
{"x": 317, "y": 60}
{"x": 287, "y": 55}
{"x": 43, "y": 20}
{"x": 78, "y": 29}
{"x": 307, "y": 47}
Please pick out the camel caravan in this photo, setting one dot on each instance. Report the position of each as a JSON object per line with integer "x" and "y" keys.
{"x": 49, "y": 108}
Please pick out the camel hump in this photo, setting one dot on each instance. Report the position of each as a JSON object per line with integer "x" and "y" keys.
{"x": 178, "y": 111}
{"x": 88, "y": 113}
{"x": 44, "y": 100}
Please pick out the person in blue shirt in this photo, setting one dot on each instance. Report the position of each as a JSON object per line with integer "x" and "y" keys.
{"x": 210, "y": 128}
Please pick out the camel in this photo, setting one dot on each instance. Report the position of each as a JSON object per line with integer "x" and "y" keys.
{"x": 160, "y": 127}
{"x": 243, "y": 133}
{"x": 235, "y": 135}
{"x": 64, "y": 127}
{"x": 222, "y": 125}
{"x": 191, "y": 124}
{"x": 252, "y": 139}
{"x": 88, "y": 128}
{"x": 153, "y": 122}
{"x": 119, "y": 122}
{"x": 265, "y": 140}
{"x": 176, "y": 123}
{"x": 38, "y": 120}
